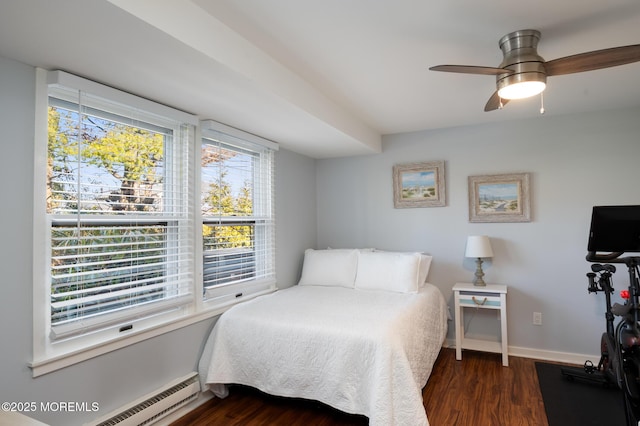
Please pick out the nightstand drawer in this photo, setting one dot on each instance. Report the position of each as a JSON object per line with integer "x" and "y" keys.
{"x": 482, "y": 300}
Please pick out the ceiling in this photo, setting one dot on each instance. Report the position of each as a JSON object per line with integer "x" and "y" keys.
{"x": 324, "y": 78}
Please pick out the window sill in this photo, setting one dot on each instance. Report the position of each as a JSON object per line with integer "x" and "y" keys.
{"x": 48, "y": 364}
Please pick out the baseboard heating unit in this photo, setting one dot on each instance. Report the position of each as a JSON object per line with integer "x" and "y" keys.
{"x": 154, "y": 406}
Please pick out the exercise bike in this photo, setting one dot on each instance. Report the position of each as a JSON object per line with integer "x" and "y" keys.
{"x": 602, "y": 374}
{"x": 619, "y": 363}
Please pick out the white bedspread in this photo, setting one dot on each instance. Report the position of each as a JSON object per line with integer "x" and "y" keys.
{"x": 362, "y": 352}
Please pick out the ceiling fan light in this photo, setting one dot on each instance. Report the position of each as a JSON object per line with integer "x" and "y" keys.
{"x": 521, "y": 90}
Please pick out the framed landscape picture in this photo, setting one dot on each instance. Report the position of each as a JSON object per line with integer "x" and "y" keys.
{"x": 499, "y": 198}
{"x": 419, "y": 185}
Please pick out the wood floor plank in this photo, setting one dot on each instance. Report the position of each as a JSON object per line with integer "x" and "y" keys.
{"x": 476, "y": 391}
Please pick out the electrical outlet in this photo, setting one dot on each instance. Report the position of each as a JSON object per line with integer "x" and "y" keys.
{"x": 537, "y": 318}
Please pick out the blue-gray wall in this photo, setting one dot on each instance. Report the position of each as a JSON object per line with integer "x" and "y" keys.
{"x": 119, "y": 377}
{"x": 575, "y": 162}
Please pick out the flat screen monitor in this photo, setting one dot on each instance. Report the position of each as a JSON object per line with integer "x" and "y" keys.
{"x": 615, "y": 229}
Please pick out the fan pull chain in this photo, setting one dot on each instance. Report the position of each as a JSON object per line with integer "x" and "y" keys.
{"x": 500, "y": 106}
{"x": 541, "y": 102}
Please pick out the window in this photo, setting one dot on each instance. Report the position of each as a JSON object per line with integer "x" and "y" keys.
{"x": 118, "y": 210}
{"x": 120, "y": 184}
{"x": 237, "y": 214}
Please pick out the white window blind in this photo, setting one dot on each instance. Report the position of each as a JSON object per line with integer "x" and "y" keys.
{"x": 237, "y": 206}
{"x": 118, "y": 206}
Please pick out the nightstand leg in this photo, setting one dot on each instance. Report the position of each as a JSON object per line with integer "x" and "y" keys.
{"x": 459, "y": 327}
{"x": 503, "y": 323}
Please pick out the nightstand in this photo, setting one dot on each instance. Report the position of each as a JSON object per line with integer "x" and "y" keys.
{"x": 491, "y": 296}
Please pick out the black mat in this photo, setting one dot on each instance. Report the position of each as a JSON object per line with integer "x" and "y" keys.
{"x": 574, "y": 402}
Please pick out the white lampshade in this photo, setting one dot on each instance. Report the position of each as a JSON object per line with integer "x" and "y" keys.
{"x": 478, "y": 246}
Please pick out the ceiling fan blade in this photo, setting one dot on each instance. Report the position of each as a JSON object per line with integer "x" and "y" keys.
{"x": 595, "y": 60}
{"x": 495, "y": 102}
{"x": 471, "y": 69}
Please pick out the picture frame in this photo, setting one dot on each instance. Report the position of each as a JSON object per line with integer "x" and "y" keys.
{"x": 499, "y": 198}
{"x": 419, "y": 185}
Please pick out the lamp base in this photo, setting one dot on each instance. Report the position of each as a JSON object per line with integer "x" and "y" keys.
{"x": 478, "y": 281}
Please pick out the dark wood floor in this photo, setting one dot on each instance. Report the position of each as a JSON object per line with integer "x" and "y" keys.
{"x": 476, "y": 391}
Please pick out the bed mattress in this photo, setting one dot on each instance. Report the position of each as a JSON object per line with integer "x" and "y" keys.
{"x": 362, "y": 352}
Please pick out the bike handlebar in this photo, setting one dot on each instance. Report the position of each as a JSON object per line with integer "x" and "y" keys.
{"x": 614, "y": 257}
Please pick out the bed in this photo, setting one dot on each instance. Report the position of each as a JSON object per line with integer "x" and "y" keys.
{"x": 360, "y": 332}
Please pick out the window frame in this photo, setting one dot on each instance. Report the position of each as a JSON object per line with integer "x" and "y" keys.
{"x": 99, "y": 291}
{"x": 228, "y": 294}
{"x": 50, "y": 354}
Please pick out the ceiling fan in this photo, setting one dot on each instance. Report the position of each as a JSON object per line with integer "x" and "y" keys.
{"x": 523, "y": 73}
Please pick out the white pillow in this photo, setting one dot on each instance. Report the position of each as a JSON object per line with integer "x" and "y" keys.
{"x": 425, "y": 265}
{"x": 334, "y": 267}
{"x": 390, "y": 271}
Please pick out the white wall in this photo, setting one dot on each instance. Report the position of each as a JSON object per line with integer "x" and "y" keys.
{"x": 296, "y": 226}
{"x": 122, "y": 376}
{"x": 575, "y": 162}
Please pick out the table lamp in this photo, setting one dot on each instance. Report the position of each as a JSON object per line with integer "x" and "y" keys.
{"x": 478, "y": 246}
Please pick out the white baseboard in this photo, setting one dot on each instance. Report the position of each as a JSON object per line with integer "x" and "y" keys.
{"x": 543, "y": 355}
